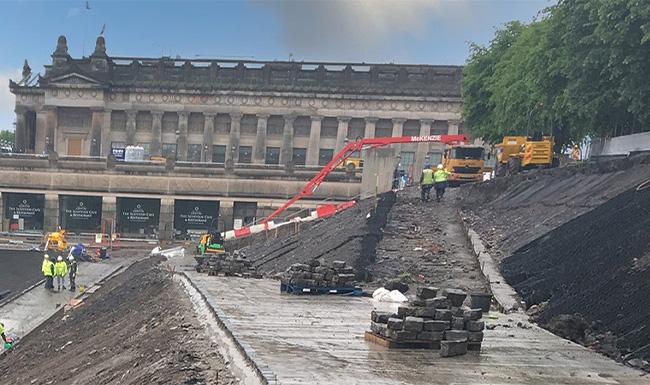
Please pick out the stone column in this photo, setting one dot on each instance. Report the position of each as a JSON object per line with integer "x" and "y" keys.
{"x": 109, "y": 208}
{"x": 181, "y": 142}
{"x": 105, "y": 141}
{"x": 453, "y": 126}
{"x": 51, "y": 127}
{"x": 97, "y": 121}
{"x": 286, "y": 152}
{"x": 398, "y": 130}
{"x": 51, "y": 212}
{"x": 421, "y": 151}
{"x": 370, "y": 127}
{"x": 130, "y": 127}
{"x": 166, "y": 224}
{"x": 21, "y": 129}
{"x": 342, "y": 133}
{"x": 208, "y": 131}
{"x": 156, "y": 133}
{"x": 259, "y": 151}
{"x": 314, "y": 141}
{"x": 42, "y": 138}
{"x": 232, "y": 152}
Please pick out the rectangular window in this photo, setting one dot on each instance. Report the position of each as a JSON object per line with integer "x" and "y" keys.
{"x": 299, "y": 155}
{"x": 245, "y": 154}
{"x": 324, "y": 156}
{"x": 194, "y": 153}
{"x": 406, "y": 161}
{"x": 169, "y": 150}
{"x": 434, "y": 158}
{"x": 218, "y": 153}
{"x": 147, "y": 149}
{"x": 272, "y": 155}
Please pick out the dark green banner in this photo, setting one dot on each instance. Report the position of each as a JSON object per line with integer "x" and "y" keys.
{"x": 80, "y": 213}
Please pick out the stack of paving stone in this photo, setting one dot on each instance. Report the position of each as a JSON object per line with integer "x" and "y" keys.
{"x": 229, "y": 265}
{"x": 315, "y": 274}
{"x": 438, "y": 320}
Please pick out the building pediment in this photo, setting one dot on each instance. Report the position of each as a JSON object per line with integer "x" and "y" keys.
{"x": 74, "y": 79}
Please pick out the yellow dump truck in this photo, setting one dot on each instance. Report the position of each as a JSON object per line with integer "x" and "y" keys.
{"x": 466, "y": 164}
{"x": 516, "y": 153}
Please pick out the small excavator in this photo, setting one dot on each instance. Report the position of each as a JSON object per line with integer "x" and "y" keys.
{"x": 211, "y": 242}
{"x": 55, "y": 241}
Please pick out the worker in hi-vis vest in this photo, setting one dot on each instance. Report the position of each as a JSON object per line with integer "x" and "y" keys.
{"x": 440, "y": 181}
{"x": 426, "y": 183}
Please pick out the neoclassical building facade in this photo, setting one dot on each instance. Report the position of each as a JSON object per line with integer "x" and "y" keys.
{"x": 239, "y": 137}
{"x": 216, "y": 110}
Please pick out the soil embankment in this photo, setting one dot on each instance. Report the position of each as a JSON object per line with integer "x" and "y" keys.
{"x": 351, "y": 235}
{"x": 136, "y": 329}
{"x": 19, "y": 270}
{"x": 597, "y": 265}
{"x": 511, "y": 212}
{"x": 575, "y": 242}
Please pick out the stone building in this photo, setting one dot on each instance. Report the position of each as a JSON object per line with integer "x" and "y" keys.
{"x": 225, "y": 115}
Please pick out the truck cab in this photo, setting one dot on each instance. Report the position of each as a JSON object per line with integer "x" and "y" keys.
{"x": 466, "y": 164}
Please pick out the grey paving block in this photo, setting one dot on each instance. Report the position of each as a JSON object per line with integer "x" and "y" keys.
{"x": 414, "y": 324}
{"x": 438, "y": 302}
{"x": 456, "y": 297}
{"x": 443, "y": 314}
{"x": 475, "y": 337}
{"x": 452, "y": 348}
{"x": 426, "y": 292}
{"x": 435, "y": 325}
{"x": 456, "y": 335}
{"x": 395, "y": 323}
{"x": 475, "y": 326}
{"x": 457, "y": 323}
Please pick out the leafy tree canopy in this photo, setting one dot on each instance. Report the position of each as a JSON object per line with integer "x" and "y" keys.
{"x": 582, "y": 69}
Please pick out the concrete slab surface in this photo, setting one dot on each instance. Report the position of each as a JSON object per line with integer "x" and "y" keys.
{"x": 319, "y": 340}
{"x": 25, "y": 313}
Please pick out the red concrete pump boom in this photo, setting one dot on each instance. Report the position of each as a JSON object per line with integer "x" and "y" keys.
{"x": 359, "y": 145}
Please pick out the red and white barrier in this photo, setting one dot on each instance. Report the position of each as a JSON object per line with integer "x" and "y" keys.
{"x": 321, "y": 211}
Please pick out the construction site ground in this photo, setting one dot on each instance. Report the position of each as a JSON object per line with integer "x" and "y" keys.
{"x": 138, "y": 328}
{"x": 19, "y": 269}
{"x": 319, "y": 340}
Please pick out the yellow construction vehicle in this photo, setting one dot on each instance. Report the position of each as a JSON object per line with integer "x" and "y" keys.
{"x": 352, "y": 163}
{"x": 55, "y": 241}
{"x": 466, "y": 164}
{"x": 211, "y": 242}
{"x": 516, "y": 153}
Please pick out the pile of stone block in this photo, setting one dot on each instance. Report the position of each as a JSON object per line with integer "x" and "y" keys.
{"x": 315, "y": 274}
{"x": 434, "y": 317}
{"x": 228, "y": 265}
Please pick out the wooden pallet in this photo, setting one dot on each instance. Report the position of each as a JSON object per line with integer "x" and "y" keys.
{"x": 392, "y": 344}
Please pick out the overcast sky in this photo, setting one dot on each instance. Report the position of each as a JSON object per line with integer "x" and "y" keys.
{"x": 398, "y": 31}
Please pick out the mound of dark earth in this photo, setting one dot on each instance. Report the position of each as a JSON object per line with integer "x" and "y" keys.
{"x": 597, "y": 266}
{"x": 511, "y": 212}
{"x": 350, "y": 235}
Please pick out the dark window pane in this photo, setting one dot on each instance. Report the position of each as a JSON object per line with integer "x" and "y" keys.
{"x": 222, "y": 124}
{"x": 248, "y": 125}
{"x": 356, "y": 129}
{"x": 275, "y": 125}
{"x": 299, "y": 155}
{"x": 384, "y": 128}
{"x": 245, "y": 154}
{"x": 302, "y": 126}
{"x": 194, "y": 152}
{"x": 169, "y": 149}
{"x": 329, "y": 127}
{"x": 439, "y": 127}
{"x": 272, "y": 155}
{"x": 411, "y": 128}
{"x": 324, "y": 156}
{"x": 218, "y": 153}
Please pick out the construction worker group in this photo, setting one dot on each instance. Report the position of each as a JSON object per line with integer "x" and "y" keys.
{"x": 433, "y": 179}
{"x": 55, "y": 269}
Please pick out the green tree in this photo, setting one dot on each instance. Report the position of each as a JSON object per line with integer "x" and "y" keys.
{"x": 582, "y": 69}
{"x": 7, "y": 137}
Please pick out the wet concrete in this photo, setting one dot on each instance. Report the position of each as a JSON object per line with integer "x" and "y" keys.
{"x": 319, "y": 340}
{"x": 25, "y": 313}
